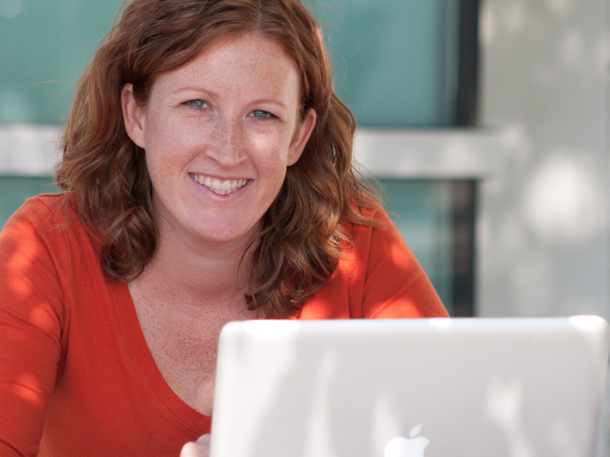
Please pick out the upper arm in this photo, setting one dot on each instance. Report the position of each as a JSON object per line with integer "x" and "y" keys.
{"x": 31, "y": 319}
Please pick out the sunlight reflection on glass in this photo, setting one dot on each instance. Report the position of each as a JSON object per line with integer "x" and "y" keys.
{"x": 10, "y": 8}
{"x": 15, "y": 103}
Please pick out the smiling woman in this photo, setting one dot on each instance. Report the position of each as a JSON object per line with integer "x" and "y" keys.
{"x": 230, "y": 118}
{"x": 207, "y": 177}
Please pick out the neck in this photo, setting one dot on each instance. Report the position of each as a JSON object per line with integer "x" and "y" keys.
{"x": 197, "y": 273}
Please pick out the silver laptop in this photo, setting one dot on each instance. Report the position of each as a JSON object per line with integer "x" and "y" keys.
{"x": 410, "y": 388}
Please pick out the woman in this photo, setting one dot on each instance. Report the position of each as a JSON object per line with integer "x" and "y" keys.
{"x": 208, "y": 178}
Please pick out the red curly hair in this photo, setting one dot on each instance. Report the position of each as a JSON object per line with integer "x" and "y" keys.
{"x": 300, "y": 243}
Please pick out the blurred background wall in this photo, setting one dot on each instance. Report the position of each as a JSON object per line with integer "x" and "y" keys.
{"x": 543, "y": 218}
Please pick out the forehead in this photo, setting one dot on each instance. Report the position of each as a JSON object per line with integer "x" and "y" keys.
{"x": 244, "y": 63}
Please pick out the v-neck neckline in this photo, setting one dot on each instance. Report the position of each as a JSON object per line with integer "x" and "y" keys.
{"x": 182, "y": 411}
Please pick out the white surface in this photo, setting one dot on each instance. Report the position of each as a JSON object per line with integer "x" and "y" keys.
{"x": 542, "y": 228}
{"x": 459, "y": 387}
{"x": 28, "y": 150}
{"x": 451, "y": 154}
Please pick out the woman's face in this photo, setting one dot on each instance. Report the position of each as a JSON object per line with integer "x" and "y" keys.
{"x": 219, "y": 134}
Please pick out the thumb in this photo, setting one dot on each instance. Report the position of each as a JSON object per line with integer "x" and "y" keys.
{"x": 205, "y": 439}
{"x": 199, "y": 449}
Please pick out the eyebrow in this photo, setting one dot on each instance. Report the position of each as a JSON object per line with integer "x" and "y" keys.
{"x": 195, "y": 89}
{"x": 214, "y": 94}
{"x": 271, "y": 101}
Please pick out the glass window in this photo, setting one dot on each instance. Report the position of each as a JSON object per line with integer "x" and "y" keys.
{"x": 436, "y": 220}
{"x": 395, "y": 61}
{"x": 46, "y": 46}
{"x": 14, "y": 190}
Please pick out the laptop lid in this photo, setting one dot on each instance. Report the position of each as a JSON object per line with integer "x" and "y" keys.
{"x": 401, "y": 388}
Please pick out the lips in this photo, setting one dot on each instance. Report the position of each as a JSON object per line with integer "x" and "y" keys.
{"x": 220, "y": 187}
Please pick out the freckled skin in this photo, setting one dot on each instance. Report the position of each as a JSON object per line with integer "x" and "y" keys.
{"x": 230, "y": 114}
{"x": 238, "y": 79}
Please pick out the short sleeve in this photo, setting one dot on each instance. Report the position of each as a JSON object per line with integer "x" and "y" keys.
{"x": 31, "y": 319}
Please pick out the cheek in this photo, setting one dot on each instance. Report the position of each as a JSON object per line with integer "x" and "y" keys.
{"x": 163, "y": 160}
{"x": 272, "y": 165}
{"x": 273, "y": 185}
{"x": 167, "y": 146}
{"x": 160, "y": 176}
{"x": 158, "y": 134}
{"x": 271, "y": 148}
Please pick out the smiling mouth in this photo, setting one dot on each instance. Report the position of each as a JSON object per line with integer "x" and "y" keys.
{"x": 220, "y": 187}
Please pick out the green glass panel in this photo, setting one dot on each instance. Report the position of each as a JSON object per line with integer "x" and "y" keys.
{"x": 422, "y": 212}
{"x": 46, "y": 46}
{"x": 395, "y": 61}
{"x": 14, "y": 191}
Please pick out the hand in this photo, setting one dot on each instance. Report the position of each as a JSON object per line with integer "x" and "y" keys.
{"x": 201, "y": 448}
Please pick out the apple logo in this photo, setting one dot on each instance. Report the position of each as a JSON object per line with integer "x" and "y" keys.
{"x": 407, "y": 447}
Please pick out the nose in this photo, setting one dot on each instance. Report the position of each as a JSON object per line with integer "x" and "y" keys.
{"x": 228, "y": 147}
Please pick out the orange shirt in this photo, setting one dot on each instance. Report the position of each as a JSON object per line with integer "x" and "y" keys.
{"x": 76, "y": 375}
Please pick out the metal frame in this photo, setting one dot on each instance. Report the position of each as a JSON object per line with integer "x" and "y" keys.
{"x": 468, "y": 67}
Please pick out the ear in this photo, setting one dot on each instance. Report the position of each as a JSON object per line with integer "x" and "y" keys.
{"x": 134, "y": 116}
{"x": 301, "y": 137}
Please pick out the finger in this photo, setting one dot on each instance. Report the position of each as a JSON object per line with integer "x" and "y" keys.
{"x": 204, "y": 439}
{"x": 195, "y": 450}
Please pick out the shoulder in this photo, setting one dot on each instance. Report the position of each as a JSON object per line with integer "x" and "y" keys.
{"x": 47, "y": 226}
{"x": 45, "y": 210}
{"x": 383, "y": 267}
{"x": 373, "y": 211}
{"x": 381, "y": 230}
{"x": 46, "y": 252}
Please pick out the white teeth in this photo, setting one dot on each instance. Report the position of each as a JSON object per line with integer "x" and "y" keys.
{"x": 218, "y": 187}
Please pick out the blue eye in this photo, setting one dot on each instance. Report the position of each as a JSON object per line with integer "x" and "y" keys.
{"x": 264, "y": 115}
{"x": 200, "y": 104}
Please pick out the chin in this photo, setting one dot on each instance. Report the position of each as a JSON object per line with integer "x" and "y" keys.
{"x": 227, "y": 234}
